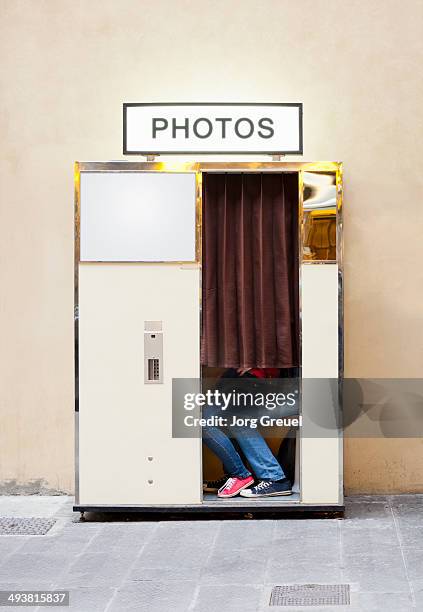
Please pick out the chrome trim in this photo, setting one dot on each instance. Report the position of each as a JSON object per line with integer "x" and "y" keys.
{"x": 299, "y": 438}
{"x": 76, "y": 323}
{"x": 340, "y": 259}
{"x": 213, "y": 166}
{"x": 76, "y": 425}
{"x": 198, "y": 218}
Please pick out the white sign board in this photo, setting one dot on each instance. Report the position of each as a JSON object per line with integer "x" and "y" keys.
{"x": 212, "y": 128}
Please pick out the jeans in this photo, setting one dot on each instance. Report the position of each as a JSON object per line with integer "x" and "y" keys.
{"x": 252, "y": 444}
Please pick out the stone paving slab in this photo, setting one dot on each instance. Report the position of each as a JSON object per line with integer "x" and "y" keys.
{"x": 245, "y": 598}
{"x": 153, "y": 597}
{"x": 214, "y": 565}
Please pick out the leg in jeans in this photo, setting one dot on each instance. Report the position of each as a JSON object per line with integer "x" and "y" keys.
{"x": 219, "y": 443}
{"x": 258, "y": 454}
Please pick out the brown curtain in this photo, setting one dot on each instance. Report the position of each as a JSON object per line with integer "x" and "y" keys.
{"x": 250, "y": 270}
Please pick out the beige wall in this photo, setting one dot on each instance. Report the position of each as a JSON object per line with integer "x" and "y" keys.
{"x": 66, "y": 68}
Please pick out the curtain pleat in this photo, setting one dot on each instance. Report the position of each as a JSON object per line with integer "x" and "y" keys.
{"x": 250, "y": 270}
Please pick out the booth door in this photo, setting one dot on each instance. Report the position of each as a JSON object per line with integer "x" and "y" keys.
{"x": 138, "y": 328}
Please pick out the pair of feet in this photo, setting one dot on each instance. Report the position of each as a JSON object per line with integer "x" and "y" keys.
{"x": 265, "y": 488}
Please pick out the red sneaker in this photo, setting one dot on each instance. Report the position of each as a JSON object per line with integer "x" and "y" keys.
{"x": 234, "y": 485}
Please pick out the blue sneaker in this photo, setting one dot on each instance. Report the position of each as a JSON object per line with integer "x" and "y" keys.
{"x": 269, "y": 488}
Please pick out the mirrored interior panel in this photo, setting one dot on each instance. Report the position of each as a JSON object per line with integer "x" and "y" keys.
{"x": 319, "y": 216}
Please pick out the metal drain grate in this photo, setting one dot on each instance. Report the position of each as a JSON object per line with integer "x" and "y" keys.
{"x": 310, "y": 595}
{"x": 25, "y": 526}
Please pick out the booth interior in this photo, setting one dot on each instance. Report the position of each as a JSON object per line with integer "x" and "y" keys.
{"x": 250, "y": 302}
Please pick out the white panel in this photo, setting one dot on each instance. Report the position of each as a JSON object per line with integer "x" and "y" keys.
{"x": 319, "y": 320}
{"x": 137, "y": 216}
{"x": 123, "y": 421}
{"x": 320, "y": 446}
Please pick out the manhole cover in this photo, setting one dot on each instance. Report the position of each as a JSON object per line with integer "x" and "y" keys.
{"x": 310, "y": 595}
{"x": 25, "y": 526}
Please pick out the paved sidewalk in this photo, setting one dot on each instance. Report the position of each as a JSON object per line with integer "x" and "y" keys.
{"x": 218, "y": 566}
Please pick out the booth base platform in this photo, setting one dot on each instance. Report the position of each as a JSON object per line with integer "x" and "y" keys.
{"x": 213, "y": 507}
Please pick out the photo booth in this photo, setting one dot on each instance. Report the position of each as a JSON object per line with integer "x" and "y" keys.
{"x": 160, "y": 254}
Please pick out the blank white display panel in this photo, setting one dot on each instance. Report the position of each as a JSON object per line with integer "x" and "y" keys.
{"x": 137, "y": 216}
